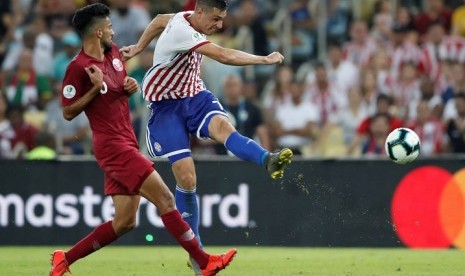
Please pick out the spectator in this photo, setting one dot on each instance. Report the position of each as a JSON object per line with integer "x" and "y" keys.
{"x": 401, "y": 50}
{"x": 429, "y": 129}
{"x": 338, "y": 20}
{"x": 71, "y": 45}
{"x": 405, "y": 18}
{"x": 456, "y": 126}
{"x": 244, "y": 115}
{"x": 303, "y": 31}
{"x": 326, "y": 97}
{"x": 427, "y": 93}
{"x": 277, "y": 90}
{"x": 431, "y": 51}
{"x": 296, "y": 121}
{"x": 378, "y": 131}
{"x": 44, "y": 149}
{"x": 35, "y": 38}
{"x": 384, "y": 104}
{"x": 24, "y": 132}
{"x": 7, "y": 134}
{"x": 342, "y": 73}
{"x": 435, "y": 11}
{"x": 369, "y": 91}
{"x": 26, "y": 87}
{"x": 455, "y": 85}
{"x": 352, "y": 116}
{"x": 405, "y": 88}
{"x": 129, "y": 20}
{"x": 72, "y": 135}
{"x": 382, "y": 20}
{"x": 361, "y": 46}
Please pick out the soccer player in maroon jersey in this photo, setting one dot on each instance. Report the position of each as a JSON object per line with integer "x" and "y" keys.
{"x": 96, "y": 83}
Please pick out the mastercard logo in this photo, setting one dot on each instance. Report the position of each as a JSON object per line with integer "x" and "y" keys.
{"x": 428, "y": 208}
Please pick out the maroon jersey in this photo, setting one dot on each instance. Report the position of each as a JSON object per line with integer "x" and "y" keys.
{"x": 108, "y": 112}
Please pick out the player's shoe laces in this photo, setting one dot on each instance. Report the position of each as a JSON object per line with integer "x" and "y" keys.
{"x": 277, "y": 162}
{"x": 192, "y": 264}
{"x": 216, "y": 263}
{"x": 59, "y": 263}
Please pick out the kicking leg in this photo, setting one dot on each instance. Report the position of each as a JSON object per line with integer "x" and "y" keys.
{"x": 247, "y": 149}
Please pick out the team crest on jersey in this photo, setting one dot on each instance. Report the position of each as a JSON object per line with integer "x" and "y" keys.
{"x": 118, "y": 65}
{"x": 69, "y": 91}
{"x": 157, "y": 146}
{"x": 196, "y": 37}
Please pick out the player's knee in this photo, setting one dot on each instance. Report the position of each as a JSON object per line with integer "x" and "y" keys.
{"x": 124, "y": 226}
{"x": 188, "y": 181}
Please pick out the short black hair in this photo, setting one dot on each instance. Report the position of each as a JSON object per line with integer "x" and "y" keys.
{"x": 219, "y": 4}
{"x": 86, "y": 17}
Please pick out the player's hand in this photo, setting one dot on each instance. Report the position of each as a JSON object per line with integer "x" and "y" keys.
{"x": 128, "y": 52}
{"x": 95, "y": 75}
{"x": 274, "y": 58}
{"x": 130, "y": 85}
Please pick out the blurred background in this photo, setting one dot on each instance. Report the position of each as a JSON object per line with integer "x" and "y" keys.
{"x": 353, "y": 70}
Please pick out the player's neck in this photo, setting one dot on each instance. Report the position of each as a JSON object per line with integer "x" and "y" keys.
{"x": 192, "y": 19}
{"x": 94, "y": 49}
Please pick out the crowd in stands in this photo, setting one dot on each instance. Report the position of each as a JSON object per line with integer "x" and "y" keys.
{"x": 385, "y": 67}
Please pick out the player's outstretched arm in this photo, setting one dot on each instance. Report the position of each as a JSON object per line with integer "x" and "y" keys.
{"x": 153, "y": 30}
{"x": 74, "y": 109}
{"x": 236, "y": 57}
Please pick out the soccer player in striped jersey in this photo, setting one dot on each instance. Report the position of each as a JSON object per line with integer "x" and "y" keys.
{"x": 96, "y": 83}
{"x": 182, "y": 105}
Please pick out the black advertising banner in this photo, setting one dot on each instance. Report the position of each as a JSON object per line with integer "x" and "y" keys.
{"x": 318, "y": 203}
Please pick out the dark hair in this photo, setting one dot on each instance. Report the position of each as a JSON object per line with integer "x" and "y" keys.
{"x": 86, "y": 17}
{"x": 384, "y": 97}
{"x": 219, "y": 4}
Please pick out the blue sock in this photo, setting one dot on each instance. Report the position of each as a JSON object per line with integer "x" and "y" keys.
{"x": 245, "y": 148}
{"x": 186, "y": 203}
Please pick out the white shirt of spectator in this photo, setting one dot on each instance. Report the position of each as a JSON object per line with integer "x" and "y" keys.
{"x": 292, "y": 116}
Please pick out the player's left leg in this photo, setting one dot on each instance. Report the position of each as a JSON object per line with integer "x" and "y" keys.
{"x": 104, "y": 234}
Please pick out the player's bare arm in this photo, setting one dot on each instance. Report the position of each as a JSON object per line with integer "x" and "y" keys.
{"x": 154, "y": 29}
{"x": 74, "y": 109}
{"x": 130, "y": 85}
{"x": 237, "y": 57}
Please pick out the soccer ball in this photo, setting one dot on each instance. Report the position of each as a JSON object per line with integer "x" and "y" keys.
{"x": 402, "y": 145}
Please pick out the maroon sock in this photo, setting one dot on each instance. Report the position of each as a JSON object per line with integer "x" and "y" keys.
{"x": 181, "y": 231}
{"x": 100, "y": 237}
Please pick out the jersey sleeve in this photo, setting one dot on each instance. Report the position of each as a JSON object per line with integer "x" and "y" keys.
{"x": 75, "y": 83}
{"x": 187, "y": 39}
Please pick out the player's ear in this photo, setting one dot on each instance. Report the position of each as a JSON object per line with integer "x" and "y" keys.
{"x": 99, "y": 33}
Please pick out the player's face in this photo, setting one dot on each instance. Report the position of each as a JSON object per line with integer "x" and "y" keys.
{"x": 211, "y": 20}
{"x": 107, "y": 34}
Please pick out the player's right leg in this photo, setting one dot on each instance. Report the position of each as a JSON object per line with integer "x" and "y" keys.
{"x": 104, "y": 234}
{"x": 156, "y": 191}
{"x": 167, "y": 137}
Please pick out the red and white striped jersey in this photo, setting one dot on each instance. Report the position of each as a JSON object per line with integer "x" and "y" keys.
{"x": 360, "y": 55}
{"x": 451, "y": 48}
{"x": 175, "y": 73}
{"x": 407, "y": 52}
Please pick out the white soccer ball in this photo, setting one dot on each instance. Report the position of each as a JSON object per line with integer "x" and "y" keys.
{"x": 402, "y": 145}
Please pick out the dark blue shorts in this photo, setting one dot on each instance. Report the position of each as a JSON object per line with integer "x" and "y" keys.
{"x": 172, "y": 121}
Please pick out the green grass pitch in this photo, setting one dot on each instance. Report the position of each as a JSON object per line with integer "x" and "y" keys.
{"x": 153, "y": 260}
